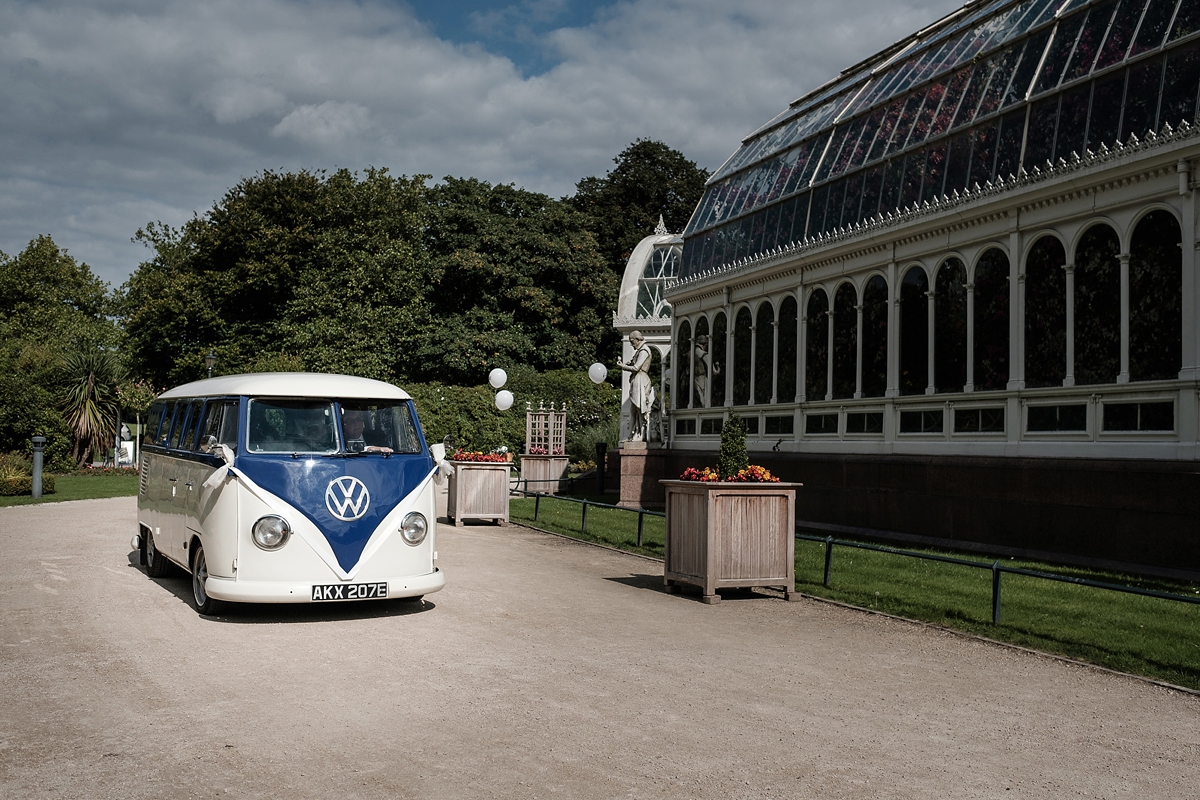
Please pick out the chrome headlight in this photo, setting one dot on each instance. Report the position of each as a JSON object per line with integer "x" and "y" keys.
{"x": 271, "y": 532}
{"x": 414, "y": 527}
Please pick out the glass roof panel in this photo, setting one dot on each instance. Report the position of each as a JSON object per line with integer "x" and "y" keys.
{"x": 1060, "y": 49}
{"x": 901, "y": 105}
{"x": 1088, "y": 44}
{"x": 1187, "y": 20}
{"x": 1120, "y": 33}
{"x": 1154, "y": 25}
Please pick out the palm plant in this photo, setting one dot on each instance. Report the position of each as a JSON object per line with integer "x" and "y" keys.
{"x": 88, "y": 400}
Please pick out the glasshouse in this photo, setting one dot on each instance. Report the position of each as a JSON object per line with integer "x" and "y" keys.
{"x": 954, "y": 289}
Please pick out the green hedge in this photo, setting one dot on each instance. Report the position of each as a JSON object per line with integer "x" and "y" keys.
{"x": 18, "y": 485}
{"x": 469, "y": 414}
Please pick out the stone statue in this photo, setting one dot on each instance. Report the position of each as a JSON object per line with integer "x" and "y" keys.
{"x": 703, "y": 366}
{"x": 641, "y": 391}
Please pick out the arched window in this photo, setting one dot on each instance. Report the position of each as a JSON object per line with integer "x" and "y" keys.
{"x": 1155, "y": 294}
{"x": 950, "y": 327}
{"x": 683, "y": 357}
{"x": 874, "y": 349}
{"x": 1045, "y": 314}
{"x": 991, "y": 320}
{"x": 1098, "y": 306}
{"x": 786, "y": 363}
{"x": 817, "y": 348}
{"x": 701, "y": 364}
{"x": 845, "y": 340}
{"x": 764, "y": 354}
{"x": 742, "y": 334}
{"x": 914, "y": 332}
{"x": 720, "y": 358}
{"x": 662, "y": 266}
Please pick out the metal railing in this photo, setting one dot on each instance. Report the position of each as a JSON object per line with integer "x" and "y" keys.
{"x": 996, "y": 568}
{"x": 642, "y": 513}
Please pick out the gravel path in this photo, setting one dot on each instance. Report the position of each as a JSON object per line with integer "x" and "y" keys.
{"x": 545, "y": 668}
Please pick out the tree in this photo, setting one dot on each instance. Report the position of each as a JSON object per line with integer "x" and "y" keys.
{"x": 623, "y": 207}
{"x": 515, "y": 279}
{"x": 50, "y": 305}
{"x": 88, "y": 399}
{"x": 322, "y": 270}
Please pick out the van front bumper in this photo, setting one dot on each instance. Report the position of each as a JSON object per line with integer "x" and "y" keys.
{"x": 236, "y": 591}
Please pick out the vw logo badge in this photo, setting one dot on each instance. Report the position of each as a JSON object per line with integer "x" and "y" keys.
{"x": 347, "y": 498}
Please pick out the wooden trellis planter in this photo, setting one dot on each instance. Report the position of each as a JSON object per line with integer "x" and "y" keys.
{"x": 544, "y": 462}
{"x": 546, "y": 474}
{"x": 478, "y": 490}
{"x": 722, "y": 535}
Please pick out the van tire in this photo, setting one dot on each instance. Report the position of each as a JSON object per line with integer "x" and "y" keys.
{"x": 157, "y": 565}
{"x": 204, "y": 604}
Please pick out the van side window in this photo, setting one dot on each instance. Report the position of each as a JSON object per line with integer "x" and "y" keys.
{"x": 169, "y": 422}
{"x": 220, "y": 426}
{"x": 153, "y": 423}
{"x": 188, "y": 440}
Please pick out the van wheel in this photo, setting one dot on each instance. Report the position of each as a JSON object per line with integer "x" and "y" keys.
{"x": 157, "y": 565}
{"x": 204, "y": 603}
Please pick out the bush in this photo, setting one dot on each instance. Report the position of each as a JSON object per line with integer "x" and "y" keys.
{"x": 469, "y": 414}
{"x": 733, "y": 457}
{"x": 16, "y": 476}
{"x": 23, "y": 485}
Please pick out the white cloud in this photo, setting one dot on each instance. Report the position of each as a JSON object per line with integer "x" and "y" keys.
{"x": 236, "y": 100}
{"x": 117, "y": 113}
{"x": 329, "y": 123}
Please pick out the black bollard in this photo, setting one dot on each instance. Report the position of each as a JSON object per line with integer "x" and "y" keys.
{"x": 39, "y": 443}
{"x": 601, "y": 453}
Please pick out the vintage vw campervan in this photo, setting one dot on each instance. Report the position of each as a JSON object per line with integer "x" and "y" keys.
{"x": 289, "y": 488}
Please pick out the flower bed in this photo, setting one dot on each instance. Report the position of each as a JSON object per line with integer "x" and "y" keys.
{"x": 751, "y": 474}
{"x": 478, "y": 457}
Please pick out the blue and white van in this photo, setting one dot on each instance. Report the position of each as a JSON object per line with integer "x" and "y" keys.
{"x": 289, "y": 488}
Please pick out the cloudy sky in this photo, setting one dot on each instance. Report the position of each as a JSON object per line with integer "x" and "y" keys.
{"x": 120, "y": 112}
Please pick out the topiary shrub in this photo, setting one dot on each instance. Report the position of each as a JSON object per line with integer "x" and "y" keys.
{"x": 732, "y": 457}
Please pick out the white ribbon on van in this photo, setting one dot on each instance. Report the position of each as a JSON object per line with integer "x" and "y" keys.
{"x": 225, "y": 470}
{"x": 444, "y": 468}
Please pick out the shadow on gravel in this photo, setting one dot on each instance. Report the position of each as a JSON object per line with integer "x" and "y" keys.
{"x": 179, "y": 583}
{"x": 654, "y": 583}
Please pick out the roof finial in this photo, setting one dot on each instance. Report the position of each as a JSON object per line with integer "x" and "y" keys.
{"x": 661, "y": 228}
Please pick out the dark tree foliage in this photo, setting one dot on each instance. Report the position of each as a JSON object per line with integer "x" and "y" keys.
{"x": 323, "y": 272}
{"x": 623, "y": 207}
{"x": 50, "y": 306}
{"x": 514, "y": 279}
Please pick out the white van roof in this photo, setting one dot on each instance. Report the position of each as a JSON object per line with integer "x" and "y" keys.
{"x": 289, "y": 384}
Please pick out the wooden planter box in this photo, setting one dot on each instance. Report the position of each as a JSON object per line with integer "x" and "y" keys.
{"x": 478, "y": 490}
{"x": 722, "y": 535}
{"x": 546, "y": 474}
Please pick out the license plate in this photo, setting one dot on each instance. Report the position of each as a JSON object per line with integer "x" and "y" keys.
{"x": 350, "y": 591}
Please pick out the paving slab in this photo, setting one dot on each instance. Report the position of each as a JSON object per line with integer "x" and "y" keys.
{"x": 545, "y": 668}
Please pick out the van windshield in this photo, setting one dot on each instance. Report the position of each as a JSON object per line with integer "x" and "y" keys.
{"x": 292, "y": 426}
{"x": 378, "y": 426}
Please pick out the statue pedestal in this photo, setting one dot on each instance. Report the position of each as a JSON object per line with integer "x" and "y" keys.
{"x": 641, "y": 469}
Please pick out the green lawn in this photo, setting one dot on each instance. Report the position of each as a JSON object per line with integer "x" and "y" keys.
{"x": 609, "y": 526}
{"x": 1141, "y": 635}
{"x": 81, "y": 487}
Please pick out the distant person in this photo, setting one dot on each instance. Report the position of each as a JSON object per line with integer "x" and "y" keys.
{"x": 358, "y": 438}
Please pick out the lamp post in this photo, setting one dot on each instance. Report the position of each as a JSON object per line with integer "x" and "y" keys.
{"x": 209, "y": 360}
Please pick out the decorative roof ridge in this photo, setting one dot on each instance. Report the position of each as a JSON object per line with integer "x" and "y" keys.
{"x": 892, "y": 219}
